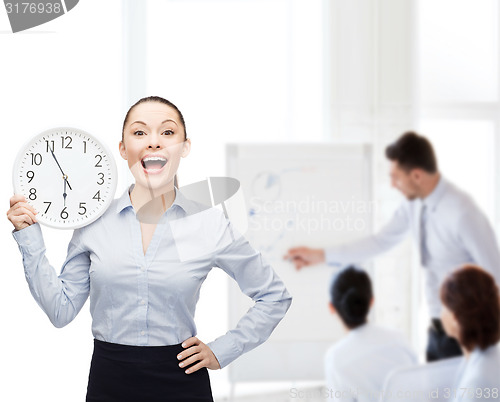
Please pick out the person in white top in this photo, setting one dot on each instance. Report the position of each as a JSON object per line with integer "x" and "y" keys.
{"x": 447, "y": 226}
{"x": 471, "y": 314}
{"x": 357, "y": 365}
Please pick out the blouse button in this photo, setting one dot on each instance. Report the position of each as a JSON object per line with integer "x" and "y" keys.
{"x": 143, "y": 269}
{"x": 142, "y": 332}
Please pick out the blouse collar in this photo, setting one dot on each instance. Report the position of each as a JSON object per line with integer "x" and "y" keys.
{"x": 124, "y": 201}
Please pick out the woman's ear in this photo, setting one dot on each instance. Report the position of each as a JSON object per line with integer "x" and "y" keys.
{"x": 450, "y": 323}
{"x": 455, "y": 323}
{"x": 186, "y": 148}
{"x": 332, "y": 309}
{"x": 123, "y": 151}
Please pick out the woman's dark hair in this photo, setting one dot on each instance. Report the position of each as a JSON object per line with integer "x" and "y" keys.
{"x": 471, "y": 294}
{"x": 412, "y": 151}
{"x": 351, "y": 294}
{"x": 158, "y": 99}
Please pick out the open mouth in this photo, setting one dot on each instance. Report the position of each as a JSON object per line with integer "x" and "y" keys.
{"x": 153, "y": 164}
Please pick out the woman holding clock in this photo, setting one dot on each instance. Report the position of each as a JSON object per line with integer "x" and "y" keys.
{"x": 142, "y": 263}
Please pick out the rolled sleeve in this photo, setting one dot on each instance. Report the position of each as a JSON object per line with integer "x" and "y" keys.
{"x": 256, "y": 279}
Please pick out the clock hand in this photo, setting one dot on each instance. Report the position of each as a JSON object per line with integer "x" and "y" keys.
{"x": 60, "y": 168}
{"x": 64, "y": 194}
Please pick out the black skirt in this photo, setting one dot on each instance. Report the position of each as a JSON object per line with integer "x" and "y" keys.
{"x": 123, "y": 373}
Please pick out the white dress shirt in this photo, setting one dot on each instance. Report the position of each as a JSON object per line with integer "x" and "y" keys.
{"x": 357, "y": 365}
{"x": 150, "y": 299}
{"x": 457, "y": 232}
{"x": 478, "y": 377}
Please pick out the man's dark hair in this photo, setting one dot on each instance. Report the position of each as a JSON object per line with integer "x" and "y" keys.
{"x": 412, "y": 151}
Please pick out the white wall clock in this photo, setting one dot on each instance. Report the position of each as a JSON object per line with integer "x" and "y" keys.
{"x": 67, "y": 175}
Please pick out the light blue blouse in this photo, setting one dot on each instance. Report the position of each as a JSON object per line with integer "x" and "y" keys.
{"x": 478, "y": 377}
{"x": 150, "y": 299}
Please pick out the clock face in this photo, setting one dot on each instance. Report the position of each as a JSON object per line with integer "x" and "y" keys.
{"x": 67, "y": 175}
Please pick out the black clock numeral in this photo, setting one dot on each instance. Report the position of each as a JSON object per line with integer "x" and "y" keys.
{"x": 48, "y": 206}
{"x": 82, "y": 206}
{"x": 97, "y": 196}
{"x": 84, "y": 147}
{"x": 101, "y": 180}
{"x": 32, "y": 195}
{"x": 64, "y": 214}
{"x": 98, "y": 164}
{"x": 36, "y": 159}
{"x": 50, "y": 147}
{"x": 30, "y": 175}
{"x": 68, "y": 145}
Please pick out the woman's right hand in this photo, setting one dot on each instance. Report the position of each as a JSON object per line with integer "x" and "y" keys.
{"x": 21, "y": 214}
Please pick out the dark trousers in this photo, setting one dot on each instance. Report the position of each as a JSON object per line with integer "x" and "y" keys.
{"x": 123, "y": 373}
{"x": 439, "y": 345}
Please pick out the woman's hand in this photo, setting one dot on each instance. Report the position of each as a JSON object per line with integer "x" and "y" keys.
{"x": 21, "y": 214}
{"x": 196, "y": 350}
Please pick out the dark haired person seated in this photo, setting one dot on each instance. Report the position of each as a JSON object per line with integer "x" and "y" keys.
{"x": 356, "y": 366}
{"x": 471, "y": 315}
{"x": 446, "y": 224}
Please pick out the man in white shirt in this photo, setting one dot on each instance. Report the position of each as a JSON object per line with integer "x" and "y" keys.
{"x": 446, "y": 224}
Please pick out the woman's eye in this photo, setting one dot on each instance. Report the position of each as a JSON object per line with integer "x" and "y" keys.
{"x": 168, "y": 132}
{"x": 139, "y": 133}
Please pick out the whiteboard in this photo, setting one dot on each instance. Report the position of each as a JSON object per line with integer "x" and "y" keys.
{"x": 298, "y": 194}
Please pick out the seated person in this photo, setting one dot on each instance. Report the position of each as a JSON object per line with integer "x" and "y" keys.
{"x": 471, "y": 315}
{"x": 356, "y": 366}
